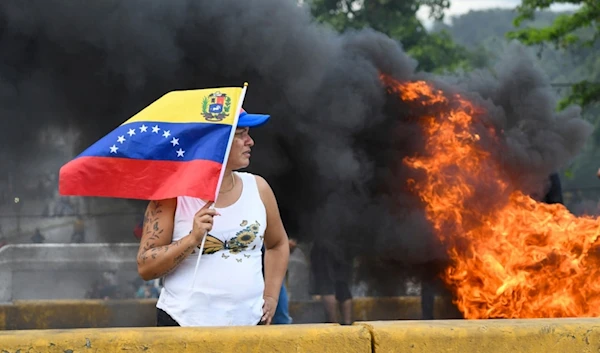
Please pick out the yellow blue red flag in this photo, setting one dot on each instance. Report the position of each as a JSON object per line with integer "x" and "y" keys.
{"x": 177, "y": 146}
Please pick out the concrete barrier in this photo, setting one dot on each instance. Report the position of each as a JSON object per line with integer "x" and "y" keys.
{"x": 449, "y": 336}
{"x": 400, "y": 308}
{"x": 489, "y": 336}
{"x": 289, "y": 338}
{"x": 64, "y": 314}
{"x": 458, "y": 336}
{"x": 61, "y": 271}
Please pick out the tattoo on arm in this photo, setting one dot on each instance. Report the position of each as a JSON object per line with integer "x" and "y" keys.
{"x": 183, "y": 255}
{"x": 178, "y": 260}
{"x": 150, "y": 251}
{"x": 152, "y": 226}
{"x": 151, "y": 219}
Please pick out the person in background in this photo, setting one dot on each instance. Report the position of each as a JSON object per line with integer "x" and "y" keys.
{"x": 331, "y": 273}
{"x": 78, "y": 235}
{"x": 147, "y": 290}
{"x": 554, "y": 193}
{"x": 37, "y": 237}
{"x": 282, "y": 314}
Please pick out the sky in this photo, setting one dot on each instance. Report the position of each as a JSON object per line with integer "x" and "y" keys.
{"x": 459, "y": 7}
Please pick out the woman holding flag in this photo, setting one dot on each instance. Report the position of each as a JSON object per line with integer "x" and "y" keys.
{"x": 226, "y": 286}
{"x": 181, "y": 150}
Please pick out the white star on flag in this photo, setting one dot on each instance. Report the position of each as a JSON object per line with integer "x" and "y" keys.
{"x": 175, "y": 141}
{"x": 113, "y": 149}
{"x": 131, "y": 132}
{"x": 180, "y": 152}
{"x": 167, "y": 133}
{"x": 143, "y": 128}
{"x": 155, "y": 129}
{"x": 121, "y": 139}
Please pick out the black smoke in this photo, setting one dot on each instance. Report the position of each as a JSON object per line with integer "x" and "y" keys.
{"x": 334, "y": 131}
{"x": 521, "y": 104}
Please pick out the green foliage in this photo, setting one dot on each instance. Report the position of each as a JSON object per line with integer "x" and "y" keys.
{"x": 581, "y": 28}
{"x": 564, "y": 31}
{"x": 583, "y": 93}
{"x": 437, "y": 52}
{"x": 398, "y": 20}
{"x": 381, "y": 15}
{"x": 479, "y": 28}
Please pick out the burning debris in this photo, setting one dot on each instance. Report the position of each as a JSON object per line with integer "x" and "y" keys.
{"x": 511, "y": 256}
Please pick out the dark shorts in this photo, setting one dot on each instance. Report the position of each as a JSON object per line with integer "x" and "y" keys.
{"x": 329, "y": 274}
{"x": 164, "y": 319}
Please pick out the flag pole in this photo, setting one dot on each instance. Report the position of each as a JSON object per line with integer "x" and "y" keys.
{"x": 231, "y": 134}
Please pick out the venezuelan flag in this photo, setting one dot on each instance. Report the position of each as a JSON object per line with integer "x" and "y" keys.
{"x": 177, "y": 146}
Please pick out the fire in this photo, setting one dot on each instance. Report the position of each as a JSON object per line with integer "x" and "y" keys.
{"x": 512, "y": 257}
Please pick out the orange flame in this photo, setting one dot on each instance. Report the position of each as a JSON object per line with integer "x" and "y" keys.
{"x": 512, "y": 257}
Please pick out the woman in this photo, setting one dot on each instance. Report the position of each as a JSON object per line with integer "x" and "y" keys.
{"x": 228, "y": 288}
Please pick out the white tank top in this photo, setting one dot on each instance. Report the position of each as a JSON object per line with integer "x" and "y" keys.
{"x": 229, "y": 284}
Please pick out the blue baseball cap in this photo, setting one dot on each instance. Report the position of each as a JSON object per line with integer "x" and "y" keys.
{"x": 251, "y": 120}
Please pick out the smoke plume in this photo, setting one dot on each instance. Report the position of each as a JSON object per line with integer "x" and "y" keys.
{"x": 334, "y": 131}
{"x": 521, "y": 104}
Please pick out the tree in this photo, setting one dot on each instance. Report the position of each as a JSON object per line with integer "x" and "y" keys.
{"x": 398, "y": 19}
{"x": 580, "y": 28}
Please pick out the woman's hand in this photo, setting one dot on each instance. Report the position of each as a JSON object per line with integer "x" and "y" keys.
{"x": 203, "y": 221}
{"x": 269, "y": 307}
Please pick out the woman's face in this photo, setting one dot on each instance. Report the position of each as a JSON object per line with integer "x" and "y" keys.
{"x": 239, "y": 155}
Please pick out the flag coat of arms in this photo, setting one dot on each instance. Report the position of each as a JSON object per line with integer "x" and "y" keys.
{"x": 177, "y": 146}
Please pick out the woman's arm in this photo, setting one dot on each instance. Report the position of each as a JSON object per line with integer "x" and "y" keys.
{"x": 157, "y": 254}
{"x": 277, "y": 249}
